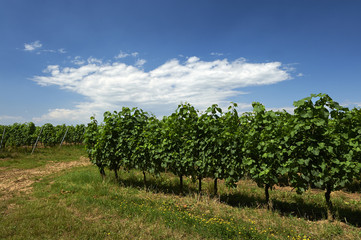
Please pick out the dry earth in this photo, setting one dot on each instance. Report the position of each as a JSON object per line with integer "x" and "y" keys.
{"x": 15, "y": 181}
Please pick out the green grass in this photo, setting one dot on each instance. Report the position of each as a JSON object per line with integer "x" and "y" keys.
{"x": 78, "y": 204}
{"x": 21, "y": 158}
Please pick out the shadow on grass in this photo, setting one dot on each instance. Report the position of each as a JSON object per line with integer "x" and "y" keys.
{"x": 298, "y": 208}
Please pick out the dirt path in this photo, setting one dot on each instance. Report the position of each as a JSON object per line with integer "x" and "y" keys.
{"x": 15, "y": 181}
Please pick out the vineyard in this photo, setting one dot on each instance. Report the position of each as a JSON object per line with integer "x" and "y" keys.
{"x": 217, "y": 174}
{"x": 27, "y": 134}
{"x": 319, "y": 146}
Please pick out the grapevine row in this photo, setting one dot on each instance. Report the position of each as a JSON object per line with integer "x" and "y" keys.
{"x": 18, "y": 135}
{"x": 319, "y": 145}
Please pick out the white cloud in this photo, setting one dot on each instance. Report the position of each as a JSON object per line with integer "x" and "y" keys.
{"x": 216, "y": 54}
{"x": 32, "y": 46}
{"x": 61, "y": 50}
{"x": 140, "y": 62}
{"x": 93, "y": 60}
{"x": 78, "y": 60}
{"x": 124, "y": 55}
{"x": 36, "y": 47}
{"x": 350, "y": 104}
{"x": 109, "y": 86}
{"x": 5, "y": 119}
{"x": 81, "y": 113}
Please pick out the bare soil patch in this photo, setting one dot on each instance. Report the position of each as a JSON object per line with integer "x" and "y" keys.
{"x": 15, "y": 181}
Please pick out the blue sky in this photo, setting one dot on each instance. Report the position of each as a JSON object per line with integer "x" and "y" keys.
{"x": 64, "y": 61}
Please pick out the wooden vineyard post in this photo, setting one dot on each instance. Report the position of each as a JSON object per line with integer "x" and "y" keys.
{"x": 37, "y": 140}
{"x": 64, "y": 136}
{"x": 2, "y": 138}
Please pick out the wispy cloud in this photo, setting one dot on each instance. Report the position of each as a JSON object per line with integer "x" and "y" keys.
{"x": 78, "y": 60}
{"x": 32, "y": 46}
{"x": 47, "y": 51}
{"x": 111, "y": 85}
{"x": 350, "y": 104}
{"x": 93, "y": 60}
{"x": 140, "y": 62}
{"x": 37, "y": 48}
{"x": 6, "y": 119}
{"x": 61, "y": 50}
{"x": 216, "y": 54}
{"x": 124, "y": 55}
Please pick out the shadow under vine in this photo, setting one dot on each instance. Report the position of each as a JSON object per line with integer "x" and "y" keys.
{"x": 299, "y": 208}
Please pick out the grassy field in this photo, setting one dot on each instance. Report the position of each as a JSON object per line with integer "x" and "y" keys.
{"x": 21, "y": 158}
{"x": 75, "y": 203}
